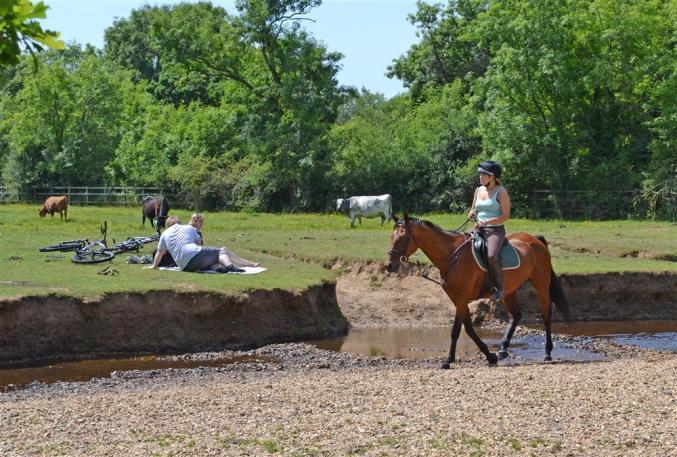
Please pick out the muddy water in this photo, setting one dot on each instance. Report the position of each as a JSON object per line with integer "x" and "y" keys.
{"x": 434, "y": 342}
{"x": 399, "y": 342}
{"x": 646, "y": 334}
{"x": 84, "y": 370}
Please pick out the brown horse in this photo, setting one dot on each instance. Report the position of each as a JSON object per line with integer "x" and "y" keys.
{"x": 464, "y": 281}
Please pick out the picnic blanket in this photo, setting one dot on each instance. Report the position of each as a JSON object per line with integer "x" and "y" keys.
{"x": 247, "y": 270}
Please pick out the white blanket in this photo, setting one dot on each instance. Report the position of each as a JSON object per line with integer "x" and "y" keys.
{"x": 247, "y": 270}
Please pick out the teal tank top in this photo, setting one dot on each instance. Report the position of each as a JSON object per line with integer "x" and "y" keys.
{"x": 489, "y": 208}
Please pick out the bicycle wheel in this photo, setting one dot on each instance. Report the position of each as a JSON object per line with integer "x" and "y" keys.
{"x": 65, "y": 246}
{"x": 92, "y": 257}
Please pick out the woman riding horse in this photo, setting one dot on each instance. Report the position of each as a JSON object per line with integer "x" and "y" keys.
{"x": 491, "y": 207}
{"x": 463, "y": 280}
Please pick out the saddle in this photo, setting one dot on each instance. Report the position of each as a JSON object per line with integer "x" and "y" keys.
{"x": 507, "y": 256}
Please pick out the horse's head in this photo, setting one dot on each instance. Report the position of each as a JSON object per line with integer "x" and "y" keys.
{"x": 402, "y": 244}
{"x": 160, "y": 221}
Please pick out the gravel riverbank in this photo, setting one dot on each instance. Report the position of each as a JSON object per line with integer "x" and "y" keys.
{"x": 314, "y": 402}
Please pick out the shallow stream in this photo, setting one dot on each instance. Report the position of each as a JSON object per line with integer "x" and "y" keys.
{"x": 421, "y": 343}
{"x": 434, "y": 342}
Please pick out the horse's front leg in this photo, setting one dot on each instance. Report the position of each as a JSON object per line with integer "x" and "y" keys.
{"x": 455, "y": 332}
{"x": 467, "y": 323}
{"x": 515, "y": 316}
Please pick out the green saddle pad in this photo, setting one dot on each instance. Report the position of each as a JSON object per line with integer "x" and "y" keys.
{"x": 508, "y": 255}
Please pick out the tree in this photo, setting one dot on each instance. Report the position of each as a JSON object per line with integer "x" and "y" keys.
{"x": 66, "y": 121}
{"x": 18, "y": 27}
{"x": 276, "y": 83}
{"x": 565, "y": 96}
{"x": 446, "y": 51}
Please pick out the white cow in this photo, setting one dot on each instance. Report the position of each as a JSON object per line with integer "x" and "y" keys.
{"x": 367, "y": 206}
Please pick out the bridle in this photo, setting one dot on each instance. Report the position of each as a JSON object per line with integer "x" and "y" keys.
{"x": 453, "y": 257}
{"x": 407, "y": 238}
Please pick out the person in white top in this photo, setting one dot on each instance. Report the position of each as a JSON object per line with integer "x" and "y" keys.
{"x": 184, "y": 243}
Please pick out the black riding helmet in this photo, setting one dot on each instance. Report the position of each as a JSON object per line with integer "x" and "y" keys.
{"x": 490, "y": 167}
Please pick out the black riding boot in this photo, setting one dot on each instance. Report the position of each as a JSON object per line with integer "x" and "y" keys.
{"x": 496, "y": 274}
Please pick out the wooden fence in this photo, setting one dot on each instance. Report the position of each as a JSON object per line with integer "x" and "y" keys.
{"x": 570, "y": 204}
{"x": 595, "y": 205}
{"x": 83, "y": 195}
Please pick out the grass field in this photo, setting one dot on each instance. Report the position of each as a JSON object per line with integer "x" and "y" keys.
{"x": 294, "y": 248}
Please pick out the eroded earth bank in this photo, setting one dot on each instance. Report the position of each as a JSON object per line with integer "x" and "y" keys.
{"x": 294, "y": 399}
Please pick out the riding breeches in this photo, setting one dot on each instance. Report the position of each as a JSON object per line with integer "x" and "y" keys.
{"x": 495, "y": 237}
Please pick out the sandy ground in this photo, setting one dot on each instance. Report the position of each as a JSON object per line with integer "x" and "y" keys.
{"x": 329, "y": 404}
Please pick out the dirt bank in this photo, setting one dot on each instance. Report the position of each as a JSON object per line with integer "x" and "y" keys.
{"x": 34, "y": 329}
{"x": 40, "y": 329}
{"x": 369, "y": 297}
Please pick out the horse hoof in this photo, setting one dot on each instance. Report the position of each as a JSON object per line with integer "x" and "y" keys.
{"x": 492, "y": 359}
{"x": 445, "y": 366}
{"x": 547, "y": 358}
{"x": 502, "y": 355}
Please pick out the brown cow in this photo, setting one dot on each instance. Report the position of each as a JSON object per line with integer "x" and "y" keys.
{"x": 54, "y": 204}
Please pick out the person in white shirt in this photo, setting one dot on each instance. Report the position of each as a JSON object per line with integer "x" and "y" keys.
{"x": 184, "y": 243}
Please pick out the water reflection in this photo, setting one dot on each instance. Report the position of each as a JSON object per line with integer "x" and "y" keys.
{"x": 434, "y": 342}
{"x": 405, "y": 342}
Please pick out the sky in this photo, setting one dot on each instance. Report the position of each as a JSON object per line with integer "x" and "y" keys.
{"x": 369, "y": 33}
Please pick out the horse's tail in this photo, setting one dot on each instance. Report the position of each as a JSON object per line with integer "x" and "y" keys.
{"x": 557, "y": 297}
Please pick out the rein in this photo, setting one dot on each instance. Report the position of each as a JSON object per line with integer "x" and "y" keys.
{"x": 452, "y": 258}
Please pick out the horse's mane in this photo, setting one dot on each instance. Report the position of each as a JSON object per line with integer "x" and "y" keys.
{"x": 433, "y": 226}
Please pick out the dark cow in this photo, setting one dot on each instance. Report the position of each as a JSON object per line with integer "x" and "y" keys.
{"x": 55, "y": 204}
{"x": 155, "y": 208}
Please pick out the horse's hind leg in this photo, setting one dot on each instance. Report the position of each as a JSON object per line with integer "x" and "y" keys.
{"x": 543, "y": 294}
{"x": 513, "y": 309}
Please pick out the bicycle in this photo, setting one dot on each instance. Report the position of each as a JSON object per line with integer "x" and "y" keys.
{"x": 95, "y": 251}
{"x": 98, "y": 251}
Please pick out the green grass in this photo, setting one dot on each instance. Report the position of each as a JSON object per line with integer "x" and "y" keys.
{"x": 294, "y": 248}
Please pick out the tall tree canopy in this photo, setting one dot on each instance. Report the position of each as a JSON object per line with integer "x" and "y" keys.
{"x": 262, "y": 69}
{"x": 241, "y": 108}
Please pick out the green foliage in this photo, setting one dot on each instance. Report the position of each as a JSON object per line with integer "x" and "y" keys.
{"x": 274, "y": 88}
{"x": 574, "y": 94}
{"x": 19, "y": 27}
{"x": 411, "y": 151}
{"x": 66, "y": 120}
{"x": 565, "y": 94}
{"x": 446, "y": 52}
{"x": 241, "y": 109}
